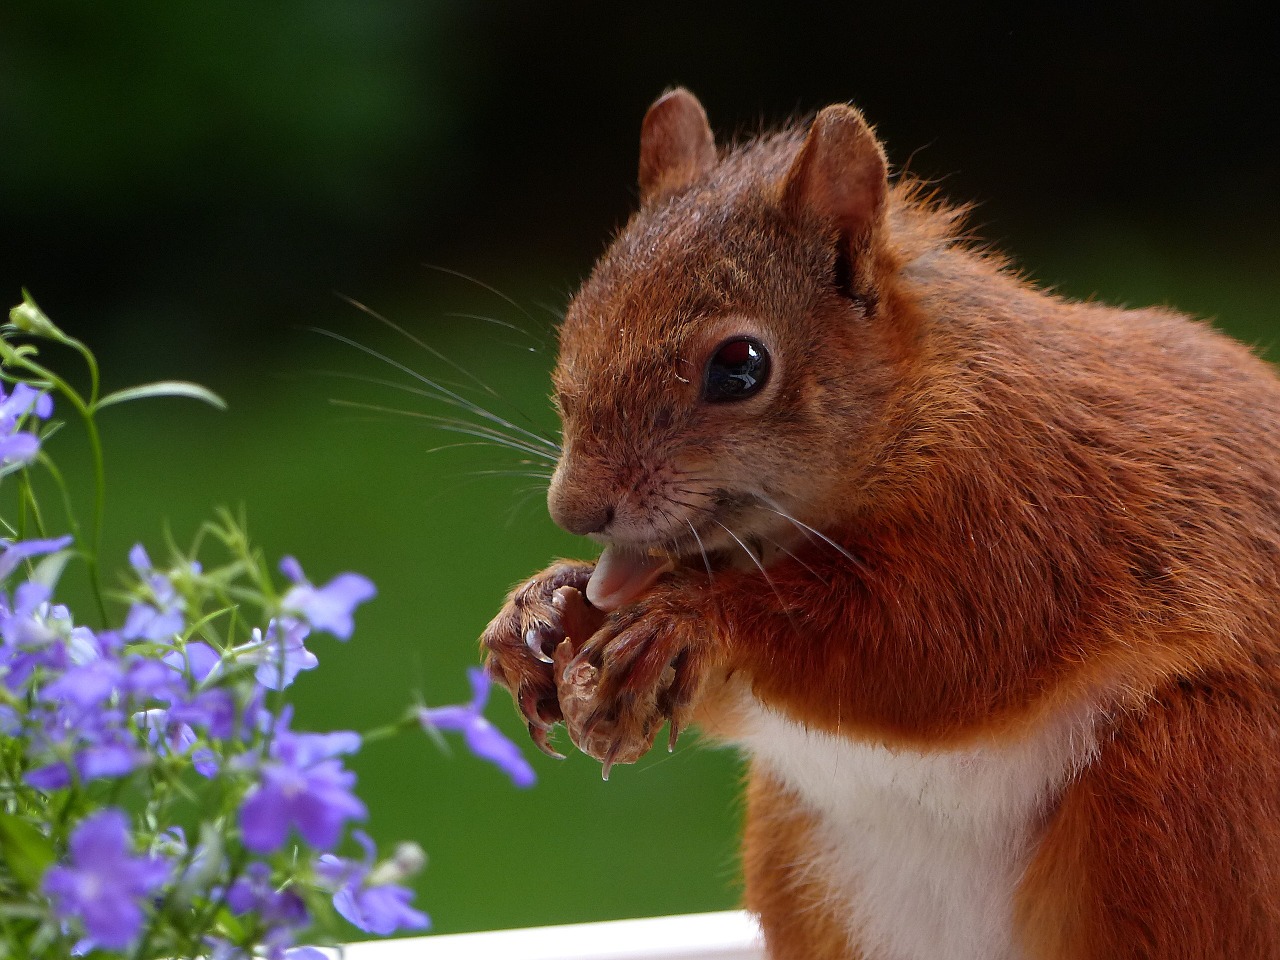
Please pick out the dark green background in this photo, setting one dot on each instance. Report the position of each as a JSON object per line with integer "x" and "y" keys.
{"x": 187, "y": 187}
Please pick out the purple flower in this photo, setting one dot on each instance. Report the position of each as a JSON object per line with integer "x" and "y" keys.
{"x": 35, "y": 633}
{"x": 97, "y": 740}
{"x": 213, "y": 711}
{"x": 301, "y": 786}
{"x": 91, "y": 763}
{"x": 87, "y": 685}
{"x": 197, "y": 659}
{"x": 166, "y": 734}
{"x": 23, "y": 400}
{"x": 26, "y": 624}
{"x": 329, "y": 607}
{"x": 103, "y": 886}
{"x": 76, "y": 724}
{"x": 373, "y": 904}
{"x": 255, "y": 893}
{"x": 280, "y": 910}
{"x": 481, "y": 737}
{"x": 162, "y": 619}
{"x": 15, "y": 553}
{"x": 281, "y": 655}
{"x": 20, "y": 448}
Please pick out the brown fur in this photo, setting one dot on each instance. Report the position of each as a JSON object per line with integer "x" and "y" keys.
{"x": 1043, "y": 502}
{"x": 782, "y": 891}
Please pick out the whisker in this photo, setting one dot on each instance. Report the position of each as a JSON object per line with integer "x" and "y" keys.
{"x": 557, "y": 313}
{"x": 706, "y": 561}
{"x": 539, "y": 342}
{"x": 431, "y": 395}
{"x": 745, "y": 549}
{"x": 522, "y": 501}
{"x": 856, "y": 561}
{"x": 764, "y": 573}
{"x": 453, "y": 426}
{"x": 509, "y": 473}
{"x": 443, "y": 358}
{"x": 817, "y": 576}
{"x": 465, "y": 443}
{"x": 692, "y": 506}
{"x": 458, "y": 399}
{"x": 483, "y": 286}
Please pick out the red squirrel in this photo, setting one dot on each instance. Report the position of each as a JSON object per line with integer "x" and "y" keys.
{"x": 984, "y": 582}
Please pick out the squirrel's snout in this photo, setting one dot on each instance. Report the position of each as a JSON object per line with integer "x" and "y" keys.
{"x": 576, "y": 508}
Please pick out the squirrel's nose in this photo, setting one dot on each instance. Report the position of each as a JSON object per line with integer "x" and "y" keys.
{"x": 578, "y": 516}
{"x": 575, "y": 502}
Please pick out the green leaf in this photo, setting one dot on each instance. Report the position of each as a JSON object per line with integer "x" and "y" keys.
{"x": 49, "y": 570}
{"x": 228, "y": 924}
{"x": 163, "y": 388}
{"x": 26, "y": 851}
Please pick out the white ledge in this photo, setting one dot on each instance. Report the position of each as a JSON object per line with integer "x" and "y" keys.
{"x": 732, "y": 935}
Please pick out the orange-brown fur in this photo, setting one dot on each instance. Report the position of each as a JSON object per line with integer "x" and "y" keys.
{"x": 781, "y": 889}
{"x": 1045, "y": 502}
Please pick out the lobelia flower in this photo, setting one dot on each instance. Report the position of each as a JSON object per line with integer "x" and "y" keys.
{"x": 15, "y": 553}
{"x": 165, "y": 734}
{"x": 103, "y": 886}
{"x": 481, "y": 737}
{"x": 78, "y": 717}
{"x": 95, "y": 681}
{"x": 172, "y": 729}
{"x": 29, "y": 631}
{"x": 329, "y": 607}
{"x": 282, "y": 912}
{"x": 302, "y": 785}
{"x": 373, "y": 903}
{"x": 161, "y": 620}
{"x": 18, "y": 448}
{"x": 37, "y": 634}
{"x": 280, "y": 655}
{"x": 97, "y": 740}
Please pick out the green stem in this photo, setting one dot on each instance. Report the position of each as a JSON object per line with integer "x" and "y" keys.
{"x": 91, "y": 362}
{"x": 409, "y": 721}
{"x": 99, "y": 510}
{"x": 86, "y": 412}
{"x": 61, "y": 483}
{"x": 27, "y": 500}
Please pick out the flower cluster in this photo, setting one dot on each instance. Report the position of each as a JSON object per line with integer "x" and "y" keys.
{"x": 155, "y": 798}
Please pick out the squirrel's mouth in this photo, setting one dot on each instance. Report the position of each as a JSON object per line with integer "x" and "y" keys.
{"x": 626, "y": 570}
{"x": 623, "y": 573}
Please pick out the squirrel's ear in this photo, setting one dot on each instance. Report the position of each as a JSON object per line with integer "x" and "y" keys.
{"x": 840, "y": 174}
{"x": 676, "y": 145}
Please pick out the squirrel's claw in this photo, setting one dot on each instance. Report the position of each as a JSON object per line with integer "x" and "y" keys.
{"x": 539, "y": 734}
{"x": 536, "y": 638}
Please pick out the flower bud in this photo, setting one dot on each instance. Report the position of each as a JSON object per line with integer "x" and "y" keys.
{"x": 29, "y": 318}
{"x": 406, "y": 862}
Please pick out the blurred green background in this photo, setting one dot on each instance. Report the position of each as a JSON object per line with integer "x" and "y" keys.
{"x": 190, "y": 187}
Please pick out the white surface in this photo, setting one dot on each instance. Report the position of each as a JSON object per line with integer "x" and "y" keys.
{"x": 732, "y": 935}
{"x": 925, "y": 848}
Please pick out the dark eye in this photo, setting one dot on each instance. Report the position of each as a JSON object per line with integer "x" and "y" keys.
{"x": 738, "y": 369}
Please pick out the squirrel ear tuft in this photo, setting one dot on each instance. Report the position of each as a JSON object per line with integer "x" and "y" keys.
{"x": 676, "y": 144}
{"x": 840, "y": 174}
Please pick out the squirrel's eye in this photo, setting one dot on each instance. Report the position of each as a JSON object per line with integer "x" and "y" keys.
{"x": 738, "y": 369}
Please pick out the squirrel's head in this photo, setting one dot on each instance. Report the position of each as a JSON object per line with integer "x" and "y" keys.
{"x": 721, "y": 370}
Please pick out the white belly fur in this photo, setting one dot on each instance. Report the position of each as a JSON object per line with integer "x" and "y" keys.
{"x": 926, "y": 849}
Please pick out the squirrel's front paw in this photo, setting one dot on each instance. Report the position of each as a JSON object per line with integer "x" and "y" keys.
{"x": 645, "y": 665}
{"x": 537, "y": 617}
